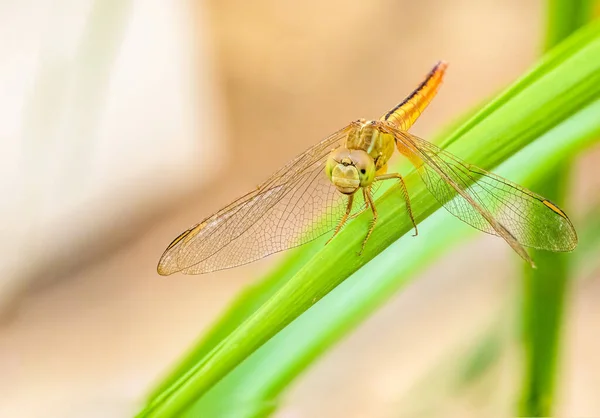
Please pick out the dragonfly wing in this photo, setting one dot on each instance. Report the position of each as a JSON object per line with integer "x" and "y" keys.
{"x": 281, "y": 213}
{"x": 487, "y": 201}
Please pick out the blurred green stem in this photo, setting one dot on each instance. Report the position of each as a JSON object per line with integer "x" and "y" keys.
{"x": 544, "y": 294}
{"x": 545, "y": 289}
{"x": 564, "y": 17}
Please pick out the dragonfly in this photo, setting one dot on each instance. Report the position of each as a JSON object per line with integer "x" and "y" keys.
{"x": 334, "y": 180}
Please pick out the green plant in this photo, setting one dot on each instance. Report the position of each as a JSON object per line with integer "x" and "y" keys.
{"x": 261, "y": 344}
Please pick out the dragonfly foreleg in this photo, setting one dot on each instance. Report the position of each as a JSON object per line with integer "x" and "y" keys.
{"x": 369, "y": 202}
{"x": 404, "y": 193}
{"x": 344, "y": 218}
{"x": 362, "y": 209}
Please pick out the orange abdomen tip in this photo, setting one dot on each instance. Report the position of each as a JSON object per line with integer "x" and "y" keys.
{"x": 408, "y": 111}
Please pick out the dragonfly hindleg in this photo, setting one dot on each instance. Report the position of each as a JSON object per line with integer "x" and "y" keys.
{"x": 404, "y": 193}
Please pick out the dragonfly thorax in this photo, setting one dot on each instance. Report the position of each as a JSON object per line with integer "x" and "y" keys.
{"x": 349, "y": 169}
{"x": 369, "y": 136}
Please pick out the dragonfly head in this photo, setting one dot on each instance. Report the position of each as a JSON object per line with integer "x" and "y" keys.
{"x": 350, "y": 169}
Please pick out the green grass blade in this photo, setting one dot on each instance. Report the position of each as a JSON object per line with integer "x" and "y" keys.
{"x": 589, "y": 244}
{"x": 564, "y": 17}
{"x": 566, "y": 81}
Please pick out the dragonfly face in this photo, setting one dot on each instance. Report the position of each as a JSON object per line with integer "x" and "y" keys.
{"x": 349, "y": 169}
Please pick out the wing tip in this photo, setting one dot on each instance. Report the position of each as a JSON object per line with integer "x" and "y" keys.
{"x": 163, "y": 270}
{"x": 166, "y": 265}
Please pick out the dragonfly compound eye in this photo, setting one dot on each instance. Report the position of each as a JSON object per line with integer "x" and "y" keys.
{"x": 365, "y": 165}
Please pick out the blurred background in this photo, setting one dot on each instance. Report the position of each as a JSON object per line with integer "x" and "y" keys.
{"x": 124, "y": 122}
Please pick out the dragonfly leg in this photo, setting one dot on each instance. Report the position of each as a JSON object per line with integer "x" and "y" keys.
{"x": 369, "y": 202}
{"x": 404, "y": 193}
{"x": 344, "y": 218}
{"x": 365, "y": 207}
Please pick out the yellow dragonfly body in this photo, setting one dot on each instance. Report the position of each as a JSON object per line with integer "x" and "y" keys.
{"x": 318, "y": 191}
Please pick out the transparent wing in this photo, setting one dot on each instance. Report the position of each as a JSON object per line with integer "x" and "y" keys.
{"x": 281, "y": 213}
{"x": 487, "y": 201}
